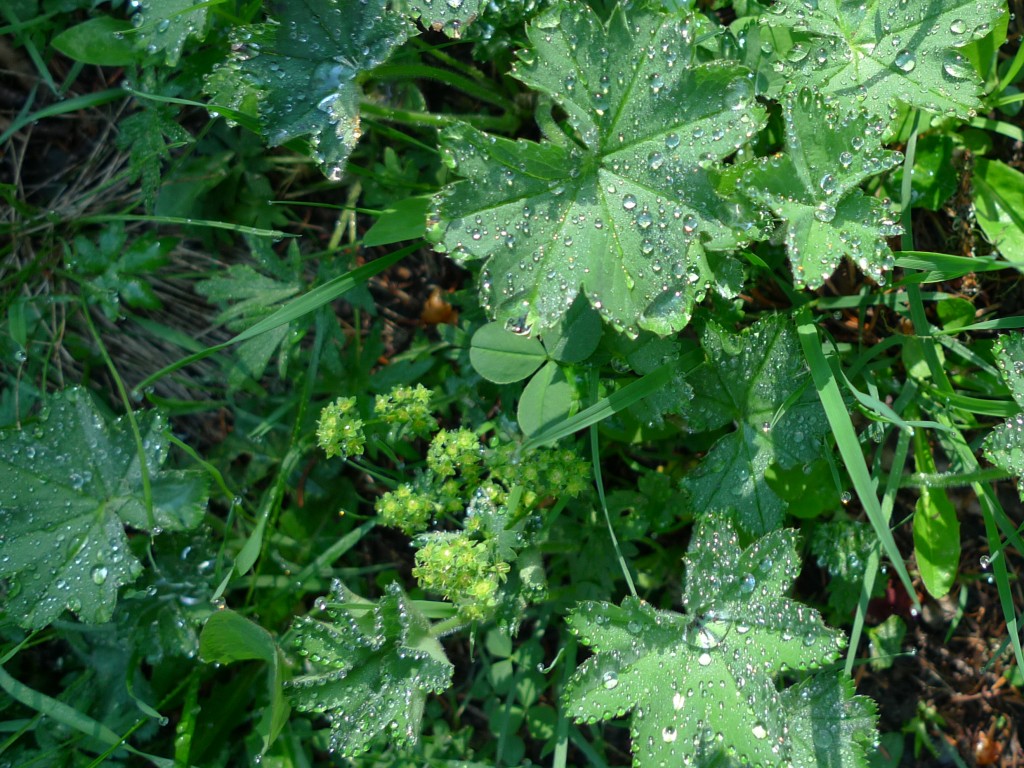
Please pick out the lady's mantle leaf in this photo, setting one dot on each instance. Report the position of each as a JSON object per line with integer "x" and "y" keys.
{"x": 758, "y": 381}
{"x": 165, "y": 25}
{"x": 373, "y": 672}
{"x": 306, "y": 62}
{"x": 829, "y": 726}
{"x": 68, "y": 486}
{"x": 886, "y": 51}
{"x": 626, "y": 208}
{"x": 704, "y": 681}
{"x": 826, "y": 216}
{"x": 448, "y": 16}
{"x": 1004, "y": 446}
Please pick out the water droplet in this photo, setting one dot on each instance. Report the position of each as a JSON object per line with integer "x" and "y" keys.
{"x": 828, "y": 184}
{"x": 610, "y": 680}
{"x": 905, "y": 61}
{"x": 672, "y": 140}
{"x": 704, "y": 659}
{"x": 846, "y": 497}
{"x": 629, "y": 202}
{"x": 99, "y": 574}
{"x": 655, "y": 160}
{"x": 668, "y": 735}
{"x": 825, "y": 213}
{"x": 957, "y": 26}
{"x": 748, "y": 583}
{"x": 759, "y": 731}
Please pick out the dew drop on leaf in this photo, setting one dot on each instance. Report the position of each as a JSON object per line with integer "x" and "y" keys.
{"x": 905, "y": 61}
{"x": 610, "y": 680}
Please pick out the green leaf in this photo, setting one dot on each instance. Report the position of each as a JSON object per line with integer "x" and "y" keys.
{"x": 306, "y": 61}
{"x": 705, "y": 681}
{"x": 758, "y": 381}
{"x": 148, "y": 136}
{"x": 813, "y": 188}
{"x": 164, "y": 26}
{"x": 577, "y": 336}
{"x": 69, "y": 484}
{"x": 885, "y": 642}
{"x": 936, "y": 540}
{"x": 626, "y": 207}
{"x": 999, "y": 207}
{"x": 448, "y": 16}
{"x": 370, "y": 675}
{"x": 1004, "y": 445}
{"x": 842, "y": 548}
{"x": 886, "y": 51}
{"x": 100, "y": 40}
{"x": 502, "y": 356}
{"x": 830, "y": 727}
{"x": 404, "y": 220}
{"x": 546, "y": 400}
{"x": 229, "y": 637}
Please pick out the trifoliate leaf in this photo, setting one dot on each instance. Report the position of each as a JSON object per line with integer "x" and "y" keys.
{"x": 165, "y": 25}
{"x": 830, "y": 727}
{"x": 625, "y": 208}
{"x": 812, "y": 186}
{"x": 306, "y": 61}
{"x": 886, "y": 51}
{"x": 69, "y": 484}
{"x": 758, "y": 381}
{"x": 448, "y": 16}
{"x": 705, "y": 681}
{"x": 371, "y": 672}
{"x": 1004, "y": 446}
{"x": 842, "y": 548}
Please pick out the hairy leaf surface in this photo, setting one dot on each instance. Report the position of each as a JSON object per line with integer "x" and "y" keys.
{"x": 1004, "y": 445}
{"x": 372, "y": 673}
{"x": 884, "y": 52}
{"x": 758, "y": 381}
{"x": 705, "y": 681}
{"x": 306, "y": 61}
{"x": 625, "y": 209}
{"x": 69, "y": 484}
{"x": 813, "y": 188}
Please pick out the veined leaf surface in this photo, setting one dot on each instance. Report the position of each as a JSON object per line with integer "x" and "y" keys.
{"x": 306, "y": 62}
{"x": 748, "y": 380}
{"x": 370, "y": 675}
{"x": 625, "y": 208}
{"x": 1004, "y": 446}
{"x": 704, "y": 682}
{"x": 884, "y": 52}
{"x": 69, "y": 484}
{"x": 813, "y": 188}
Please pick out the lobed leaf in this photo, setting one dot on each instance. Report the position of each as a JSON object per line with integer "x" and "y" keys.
{"x": 813, "y": 187}
{"x": 448, "y": 16}
{"x": 164, "y": 26}
{"x": 625, "y": 209}
{"x": 371, "y": 675}
{"x": 758, "y": 381}
{"x": 704, "y": 682}
{"x": 830, "y": 727}
{"x": 886, "y": 52}
{"x": 69, "y": 484}
{"x": 306, "y": 61}
{"x": 1004, "y": 445}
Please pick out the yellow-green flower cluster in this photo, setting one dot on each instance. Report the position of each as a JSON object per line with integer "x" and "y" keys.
{"x": 407, "y": 509}
{"x": 455, "y": 452}
{"x": 340, "y": 430}
{"x": 461, "y": 569}
{"x": 407, "y": 409}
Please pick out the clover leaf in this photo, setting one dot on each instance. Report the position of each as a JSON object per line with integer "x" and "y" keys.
{"x": 812, "y": 186}
{"x": 372, "y": 671}
{"x": 625, "y": 208}
{"x": 1004, "y": 445}
{"x": 886, "y": 51}
{"x": 758, "y": 381}
{"x": 69, "y": 484}
{"x": 704, "y": 682}
{"x": 306, "y": 62}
